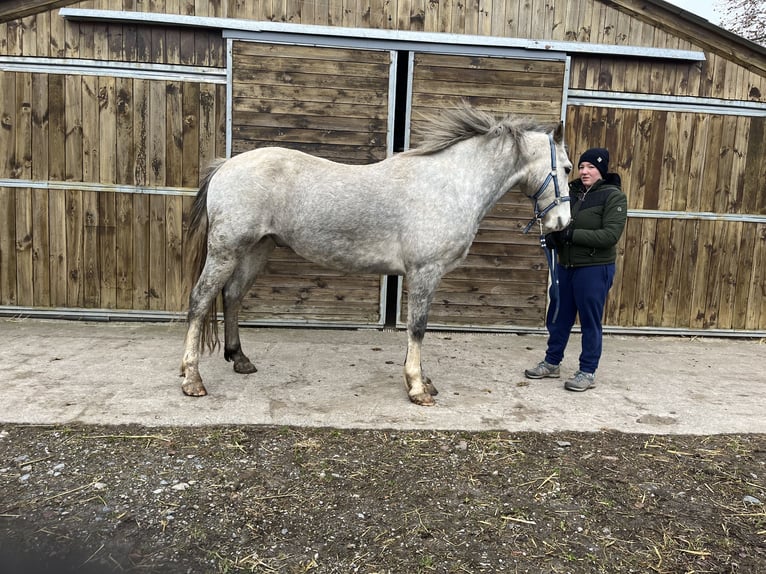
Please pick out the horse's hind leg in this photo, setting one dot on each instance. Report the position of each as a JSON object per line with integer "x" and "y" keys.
{"x": 235, "y": 289}
{"x": 209, "y": 284}
{"x": 421, "y": 286}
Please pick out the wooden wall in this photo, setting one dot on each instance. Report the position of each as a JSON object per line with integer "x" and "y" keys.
{"x": 502, "y": 282}
{"x": 136, "y": 146}
{"x": 692, "y": 259}
{"x": 116, "y": 240}
{"x": 330, "y": 102}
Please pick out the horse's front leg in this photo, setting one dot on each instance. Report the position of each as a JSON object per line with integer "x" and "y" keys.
{"x": 421, "y": 288}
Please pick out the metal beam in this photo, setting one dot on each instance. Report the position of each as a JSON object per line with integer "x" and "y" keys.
{"x": 234, "y": 27}
{"x": 628, "y": 100}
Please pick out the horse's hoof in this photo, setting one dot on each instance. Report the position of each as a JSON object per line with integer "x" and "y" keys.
{"x": 430, "y": 388}
{"x": 423, "y": 399}
{"x": 193, "y": 389}
{"x": 244, "y": 367}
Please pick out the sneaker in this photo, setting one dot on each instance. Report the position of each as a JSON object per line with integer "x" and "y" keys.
{"x": 581, "y": 381}
{"x": 543, "y": 370}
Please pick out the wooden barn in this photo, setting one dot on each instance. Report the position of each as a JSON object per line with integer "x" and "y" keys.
{"x": 110, "y": 109}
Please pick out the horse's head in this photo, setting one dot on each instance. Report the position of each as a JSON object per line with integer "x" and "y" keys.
{"x": 547, "y": 181}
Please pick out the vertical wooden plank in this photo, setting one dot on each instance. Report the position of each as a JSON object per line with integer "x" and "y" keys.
{"x": 630, "y": 276}
{"x": 714, "y": 151}
{"x": 659, "y": 271}
{"x": 174, "y": 135}
{"x": 125, "y": 155}
{"x": 457, "y": 21}
{"x": 624, "y": 152}
{"x": 124, "y": 250}
{"x": 91, "y": 263}
{"x": 431, "y": 16}
{"x": 471, "y": 16}
{"x": 23, "y": 170}
{"x": 647, "y": 249}
{"x": 86, "y": 41}
{"x": 174, "y": 204}
{"x": 14, "y": 42}
{"x": 697, "y": 162}
{"x": 124, "y": 174}
{"x": 157, "y": 178}
{"x": 91, "y": 274}
{"x": 91, "y": 161}
{"x": 7, "y": 246}
{"x": 687, "y": 273}
{"x": 56, "y": 198}
{"x": 571, "y": 19}
{"x": 208, "y": 124}
{"x": 30, "y": 41}
{"x": 72, "y": 39}
{"x": 614, "y": 298}
{"x": 40, "y": 164}
{"x": 723, "y": 197}
{"x": 497, "y": 17}
{"x": 158, "y": 48}
{"x": 714, "y": 277}
{"x": 641, "y": 152}
{"x": 73, "y": 149}
{"x": 729, "y": 261}
{"x": 292, "y": 12}
{"x": 73, "y": 218}
{"x": 699, "y": 296}
{"x": 191, "y": 135}
{"x": 675, "y": 265}
{"x": 219, "y": 92}
{"x": 8, "y": 134}
{"x": 753, "y": 190}
{"x": 173, "y": 35}
{"x": 73, "y": 143}
{"x": 446, "y": 9}
{"x": 43, "y": 34}
{"x": 670, "y": 161}
{"x": 654, "y": 158}
{"x": 107, "y": 124}
{"x": 681, "y": 177}
{"x": 743, "y": 277}
{"x": 756, "y": 312}
{"x": 739, "y": 165}
{"x": 141, "y": 214}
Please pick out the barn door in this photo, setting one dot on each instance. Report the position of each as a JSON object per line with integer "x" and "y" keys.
{"x": 503, "y": 281}
{"x": 329, "y": 102}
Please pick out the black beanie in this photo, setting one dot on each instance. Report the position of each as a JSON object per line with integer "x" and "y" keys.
{"x": 599, "y": 157}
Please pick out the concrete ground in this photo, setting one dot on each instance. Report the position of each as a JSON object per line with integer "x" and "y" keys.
{"x": 65, "y": 372}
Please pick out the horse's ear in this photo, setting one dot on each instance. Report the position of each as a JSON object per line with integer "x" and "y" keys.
{"x": 558, "y": 133}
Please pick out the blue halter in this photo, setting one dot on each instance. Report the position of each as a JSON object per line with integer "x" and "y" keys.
{"x": 540, "y": 213}
{"x": 550, "y": 254}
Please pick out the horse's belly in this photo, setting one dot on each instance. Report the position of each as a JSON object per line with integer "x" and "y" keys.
{"x": 353, "y": 257}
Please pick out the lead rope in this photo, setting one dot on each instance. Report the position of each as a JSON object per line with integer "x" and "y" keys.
{"x": 550, "y": 256}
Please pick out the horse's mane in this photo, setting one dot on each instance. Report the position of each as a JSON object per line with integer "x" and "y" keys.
{"x": 464, "y": 122}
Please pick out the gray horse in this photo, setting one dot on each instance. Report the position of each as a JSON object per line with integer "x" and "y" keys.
{"x": 413, "y": 214}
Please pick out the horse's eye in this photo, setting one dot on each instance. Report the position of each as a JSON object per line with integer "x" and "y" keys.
{"x": 568, "y": 170}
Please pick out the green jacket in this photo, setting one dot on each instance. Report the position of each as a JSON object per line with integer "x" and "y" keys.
{"x": 598, "y": 220}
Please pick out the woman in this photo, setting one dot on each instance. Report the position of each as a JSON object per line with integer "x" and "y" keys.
{"x": 587, "y": 251}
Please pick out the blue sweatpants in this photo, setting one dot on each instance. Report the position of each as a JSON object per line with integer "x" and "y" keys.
{"x": 582, "y": 291}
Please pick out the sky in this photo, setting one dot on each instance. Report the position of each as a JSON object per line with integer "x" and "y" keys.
{"x": 702, "y": 8}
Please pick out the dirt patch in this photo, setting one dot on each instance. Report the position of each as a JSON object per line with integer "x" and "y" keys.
{"x": 255, "y": 499}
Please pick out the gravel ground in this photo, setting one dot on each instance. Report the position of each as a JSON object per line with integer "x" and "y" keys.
{"x": 102, "y": 499}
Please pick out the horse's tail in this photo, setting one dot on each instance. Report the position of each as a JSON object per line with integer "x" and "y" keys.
{"x": 197, "y": 244}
